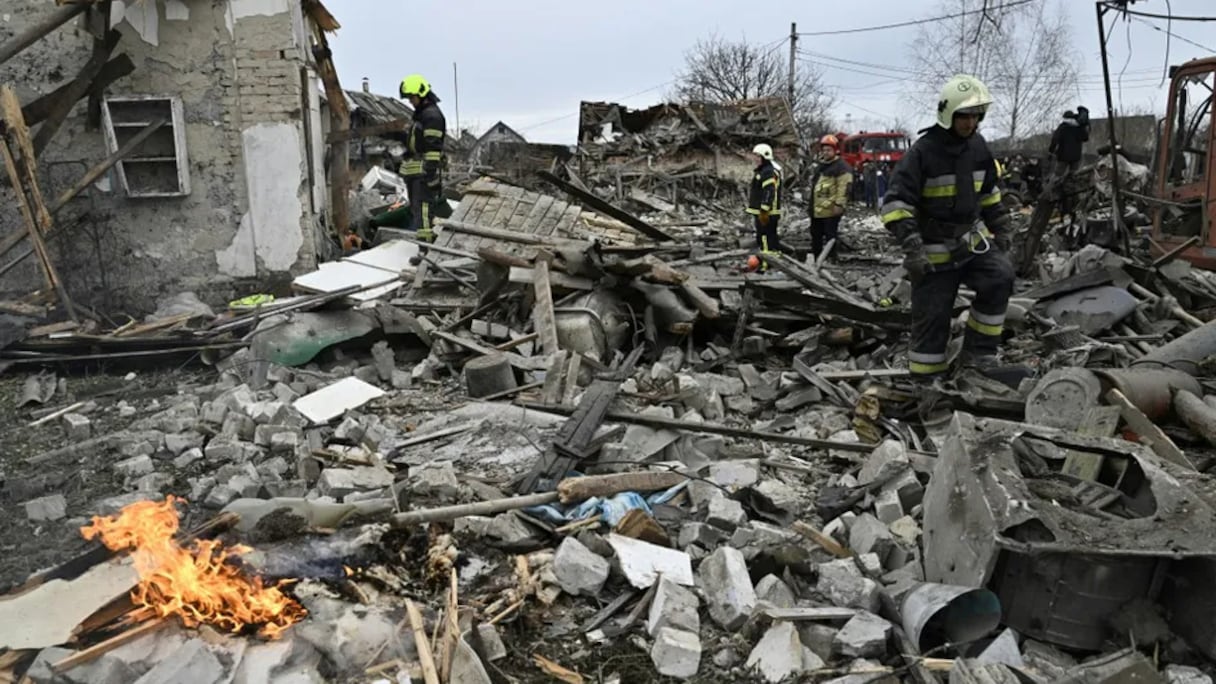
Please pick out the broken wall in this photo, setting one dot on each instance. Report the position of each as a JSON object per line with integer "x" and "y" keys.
{"x": 240, "y": 69}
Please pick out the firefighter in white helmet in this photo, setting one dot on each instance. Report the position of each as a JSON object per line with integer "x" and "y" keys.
{"x": 944, "y": 209}
{"x": 764, "y": 201}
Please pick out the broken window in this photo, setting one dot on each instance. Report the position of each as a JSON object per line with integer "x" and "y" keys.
{"x": 1188, "y": 144}
{"x": 157, "y": 167}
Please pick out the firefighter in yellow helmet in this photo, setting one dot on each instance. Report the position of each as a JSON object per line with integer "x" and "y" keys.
{"x": 944, "y": 209}
{"x": 764, "y": 200}
{"x": 422, "y": 167}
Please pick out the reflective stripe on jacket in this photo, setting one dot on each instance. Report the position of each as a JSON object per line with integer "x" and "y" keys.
{"x": 764, "y": 196}
{"x": 830, "y": 189}
{"x": 424, "y": 144}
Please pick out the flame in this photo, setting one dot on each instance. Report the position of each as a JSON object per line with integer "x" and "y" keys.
{"x": 197, "y": 584}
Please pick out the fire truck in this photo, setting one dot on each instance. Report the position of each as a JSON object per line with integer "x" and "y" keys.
{"x": 876, "y": 146}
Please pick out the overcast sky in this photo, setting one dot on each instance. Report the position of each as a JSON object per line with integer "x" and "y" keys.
{"x": 530, "y": 62}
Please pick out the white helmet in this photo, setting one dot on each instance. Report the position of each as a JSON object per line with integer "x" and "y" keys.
{"x": 962, "y": 94}
{"x": 763, "y": 150}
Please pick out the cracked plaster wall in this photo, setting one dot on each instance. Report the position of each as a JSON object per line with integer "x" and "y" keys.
{"x": 249, "y": 221}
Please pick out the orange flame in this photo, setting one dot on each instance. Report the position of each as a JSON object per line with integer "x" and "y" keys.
{"x": 196, "y": 584}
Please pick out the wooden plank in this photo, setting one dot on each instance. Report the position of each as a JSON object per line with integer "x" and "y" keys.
{"x": 38, "y": 110}
{"x": 567, "y": 222}
{"x": 572, "y": 371}
{"x": 76, "y": 89}
{"x": 394, "y": 126}
{"x": 33, "y": 34}
{"x": 1148, "y": 432}
{"x": 339, "y": 119}
{"x": 536, "y": 213}
{"x": 29, "y": 197}
{"x": 597, "y": 204}
{"x": 551, "y": 393}
{"x": 542, "y": 312}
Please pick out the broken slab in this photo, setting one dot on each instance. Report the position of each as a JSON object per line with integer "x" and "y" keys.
{"x": 727, "y": 587}
{"x": 338, "y": 482}
{"x": 844, "y": 585}
{"x": 192, "y": 663}
{"x": 864, "y": 636}
{"x": 579, "y": 571}
{"x": 673, "y": 606}
{"x": 48, "y": 614}
{"x": 642, "y": 563}
{"x": 772, "y": 591}
{"x": 676, "y": 652}
{"x": 46, "y": 508}
{"x": 77, "y": 427}
{"x": 330, "y": 402}
{"x": 725, "y": 513}
{"x": 778, "y": 654}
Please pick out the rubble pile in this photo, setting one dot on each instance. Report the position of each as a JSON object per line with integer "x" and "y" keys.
{"x": 577, "y": 443}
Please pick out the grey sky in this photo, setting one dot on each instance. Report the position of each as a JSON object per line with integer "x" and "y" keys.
{"x": 531, "y": 63}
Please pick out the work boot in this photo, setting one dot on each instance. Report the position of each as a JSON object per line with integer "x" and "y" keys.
{"x": 979, "y": 361}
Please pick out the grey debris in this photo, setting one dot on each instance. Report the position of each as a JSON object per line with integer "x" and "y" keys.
{"x": 437, "y": 478}
{"x": 187, "y": 457}
{"x": 153, "y": 482}
{"x": 905, "y": 529}
{"x": 338, "y": 482}
{"x": 724, "y": 581}
{"x": 177, "y": 443}
{"x": 676, "y": 653}
{"x": 134, "y": 466}
{"x": 778, "y": 655}
{"x": 384, "y": 360}
{"x": 78, "y": 427}
{"x": 673, "y": 606}
{"x": 844, "y": 585}
{"x": 53, "y": 507}
{"x": 868, "y": 534}
{"x": 489, "y": 642}
{"x": 1183, "y": 674}
{"x": 268, "y": 412}
{"x": 220, "y": 496}
{"x": 725, "y": 513}
{"x": 887, "y": 506}
{"x": 222, "y": 450}
{"x": 703, "y": 534}
{"x": 773, "y": 591}
{"x": 192, "y": 663}
{"x": 579, "y": 571}
{"x": 799, "y": 398}
{"x": 263, "y": 435}
{"x": 286, "y": 442}
{"x": 735, "y": 473}
{"x": 213, "y": 413}
{"x": 818, "y": 637}
{"x": 887, "y": 458}
{"x": 864, "y": 636}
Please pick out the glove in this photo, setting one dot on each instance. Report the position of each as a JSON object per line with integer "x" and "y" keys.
{"x": 915, "y": 261}
{"x": 1003, "y": 241}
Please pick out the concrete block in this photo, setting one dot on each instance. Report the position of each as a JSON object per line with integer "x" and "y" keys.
{"x": 437, "y": 478}
{"x": 222, "y": 450}
{"x": 349, "y": 430}
{"x": 188, "y": 457}
{"x": 778, "y": 654}
{"x": 725, "y": 513}
{"x": 220, "y": 496}
{"x": 701, "y": 493}
{"x": 267, "y": 412}
{"x": 1184, "y": 674}
{"x": 868, "y": 534}
{"x": 200, "y": 487}
{"x": 909, "y": 489}
{"x": 213, "y": 413}
{"x": 273, "y": 467}
{"x": 263, "y": 435}
{"x": 799, "y": 398}
{"x": 153, "y": 482}
{"x": 245, "y": 486}
{"x": 368, "y": 374}
{"x": 707, "y": 536}
{"x": 134, "y": 466}
{"x": 338, "y": 482}
{"x": 286, "y": 442}
{"x": 177, "y": 443}
{"x": 579, "y": 571}
{"x": 284, "y": 393}
{"x": 888, "y": 457}
{"x": 818, "y": 638}
{"x": 676, "y": 653}
{"x": 673, "y": 606}
{"x": 53, "y": 507}
{"x": 401, "y": 379}
{"x": 811, "y": 660}
{"x": 192, "y": 663}
{"x": 490, "y": 646}
{"x": 77, "y": 427}
{"x": 724, "y": 385}
{"x": 642, "y": 563}
{"x": 779, "y": 495}
{"x": 735, "y": 474}
{"x": 887, "y": 506}
{"x": 724, "y": 581}
{"x": 773, "y": 591}
{"x": 905, "y": 529}
{"x": 286, "y": 488}
{"x": 238, "y": 426}
{"x": 843, "y": 584}
{"x": 864, "y": 636}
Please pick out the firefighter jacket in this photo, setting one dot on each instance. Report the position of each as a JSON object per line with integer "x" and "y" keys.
{"x": 830, "y": 189}
{"x": 424, "y": 143}
{"x": 765, "y": 193}
{"x": 941, "y": 189}
{"x": 1069, "y": 139}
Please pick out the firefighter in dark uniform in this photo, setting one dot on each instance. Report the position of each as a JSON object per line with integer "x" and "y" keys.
{"x": 944, "y": 208}
{"x": 764, "y": 201}
{"x": 423, "y": 163}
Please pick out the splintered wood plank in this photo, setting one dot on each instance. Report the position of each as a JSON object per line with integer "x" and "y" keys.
{"x": 510, "y": 201}
{"x": 1148, "y": 431}
{"x": 533, "y": 219}
{"x": 548, "y": 226}
{"x": 566, "y": 224}
{"x": 542, "y": 311}
{"x": 515, "y": 221}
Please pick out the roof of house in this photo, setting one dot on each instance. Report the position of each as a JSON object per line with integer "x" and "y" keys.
{"x": 377, "y": 109}
{"x": 502, "y": 128}
{"x": 766, "y": 119}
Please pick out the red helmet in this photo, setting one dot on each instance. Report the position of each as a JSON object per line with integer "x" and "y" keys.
{"x": 829, "y": 139}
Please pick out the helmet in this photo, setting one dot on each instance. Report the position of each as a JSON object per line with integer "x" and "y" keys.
{"x": 763, "y": 150}
{"x": 962, "y": 94}
{"x": 829, "y": 139}
{"x": 414, "y": 85}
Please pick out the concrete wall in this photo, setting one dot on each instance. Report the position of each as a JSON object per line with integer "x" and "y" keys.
{"x": 240, "y": 69}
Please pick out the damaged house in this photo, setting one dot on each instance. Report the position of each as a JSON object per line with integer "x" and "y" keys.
{"x": 227, "y": 190}
{"x": 670, "y": 153}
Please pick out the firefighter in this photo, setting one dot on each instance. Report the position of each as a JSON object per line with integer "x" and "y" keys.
{"x": 764, "y": 201}
{"x": 829, "y": 194}
{"x": 945, "y": 211}
{"x": 423, "y": 163}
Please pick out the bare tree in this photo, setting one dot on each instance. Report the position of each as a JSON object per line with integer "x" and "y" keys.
{"x": 719, "y": 70}
{"x": 1024, "y": 54}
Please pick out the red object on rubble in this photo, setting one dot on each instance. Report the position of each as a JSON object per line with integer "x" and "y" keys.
{"x": 753, "y": 263}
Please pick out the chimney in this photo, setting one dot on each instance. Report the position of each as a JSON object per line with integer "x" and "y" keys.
{"x": 367, "y": 86}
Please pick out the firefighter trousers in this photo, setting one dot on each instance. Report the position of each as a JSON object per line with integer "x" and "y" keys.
{"x": 823, "y": 231}
{"x": 766, "y": 235}
{"x": 991, "y": 276}
{"x": 422, "y": 208}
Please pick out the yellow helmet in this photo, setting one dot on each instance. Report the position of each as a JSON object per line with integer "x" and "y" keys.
{"x": 962, "y": 94}
{"x": 414, "y": 84}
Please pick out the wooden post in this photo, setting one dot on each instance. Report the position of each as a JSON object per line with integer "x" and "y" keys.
{"x": 78, "y": 88}
{"x": 542, "y": 311}
{"x": 29, "y": 198}
{"x": 339, "y": 124}
{"x": 35, "y": 33}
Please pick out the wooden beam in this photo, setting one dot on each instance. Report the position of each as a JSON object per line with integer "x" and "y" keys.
{"x": 36, "y": 32}
{"x": 78, "y": 88}
{"x": 11, "y": 241}
{"x": 542, "y": 312}
{"x": 29, "y": 197}
{"x": 339, "y": 120}
{"x": 38, "y": 110}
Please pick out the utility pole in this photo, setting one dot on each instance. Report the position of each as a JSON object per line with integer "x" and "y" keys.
{"x": 793, "y": 59}
{"x": 1116, "y": 200}
{"x": 456, "y": 99}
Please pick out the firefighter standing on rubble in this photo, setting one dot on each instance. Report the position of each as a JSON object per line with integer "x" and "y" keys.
{"x": 829, "y": 194}
{"x": 945, "y": 210}
{"x": 764, "y": 201}
{"x": 423, "y": 164}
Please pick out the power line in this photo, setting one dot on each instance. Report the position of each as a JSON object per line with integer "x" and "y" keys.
{"x": 814, "y": 57}
{"x": 915, "y": 22}
{"x": 1173, "y": 35}
{"x": 1149, "y": 15}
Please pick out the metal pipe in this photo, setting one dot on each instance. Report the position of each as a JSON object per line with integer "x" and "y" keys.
{"x": 1186, "y": 352}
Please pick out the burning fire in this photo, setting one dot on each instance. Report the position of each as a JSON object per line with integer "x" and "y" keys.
{"x": 196, "y": 583}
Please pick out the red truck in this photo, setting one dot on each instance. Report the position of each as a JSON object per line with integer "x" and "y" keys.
{"x": 874, "y": 146}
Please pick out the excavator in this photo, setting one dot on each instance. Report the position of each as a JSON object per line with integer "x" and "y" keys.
{"x": 1184, "y": 183}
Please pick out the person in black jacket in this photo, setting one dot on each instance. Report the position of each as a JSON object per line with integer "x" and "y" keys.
{"x": 423, "y": 164}
{"x": 1068, "y": 141}
{"x": 944, "y": 208}
{"x": 764, "y": 201}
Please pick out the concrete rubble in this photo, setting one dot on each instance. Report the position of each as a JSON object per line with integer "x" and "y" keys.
{"x": 584, "y": 411}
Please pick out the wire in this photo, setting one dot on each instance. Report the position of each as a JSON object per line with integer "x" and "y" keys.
{"x": 1150, "y": 15}
{"x": 915, "y": 22}
{"x": 1188, "y": 41}
{"x": 815, "y": 57}
{"x": 1169, "y": 24}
